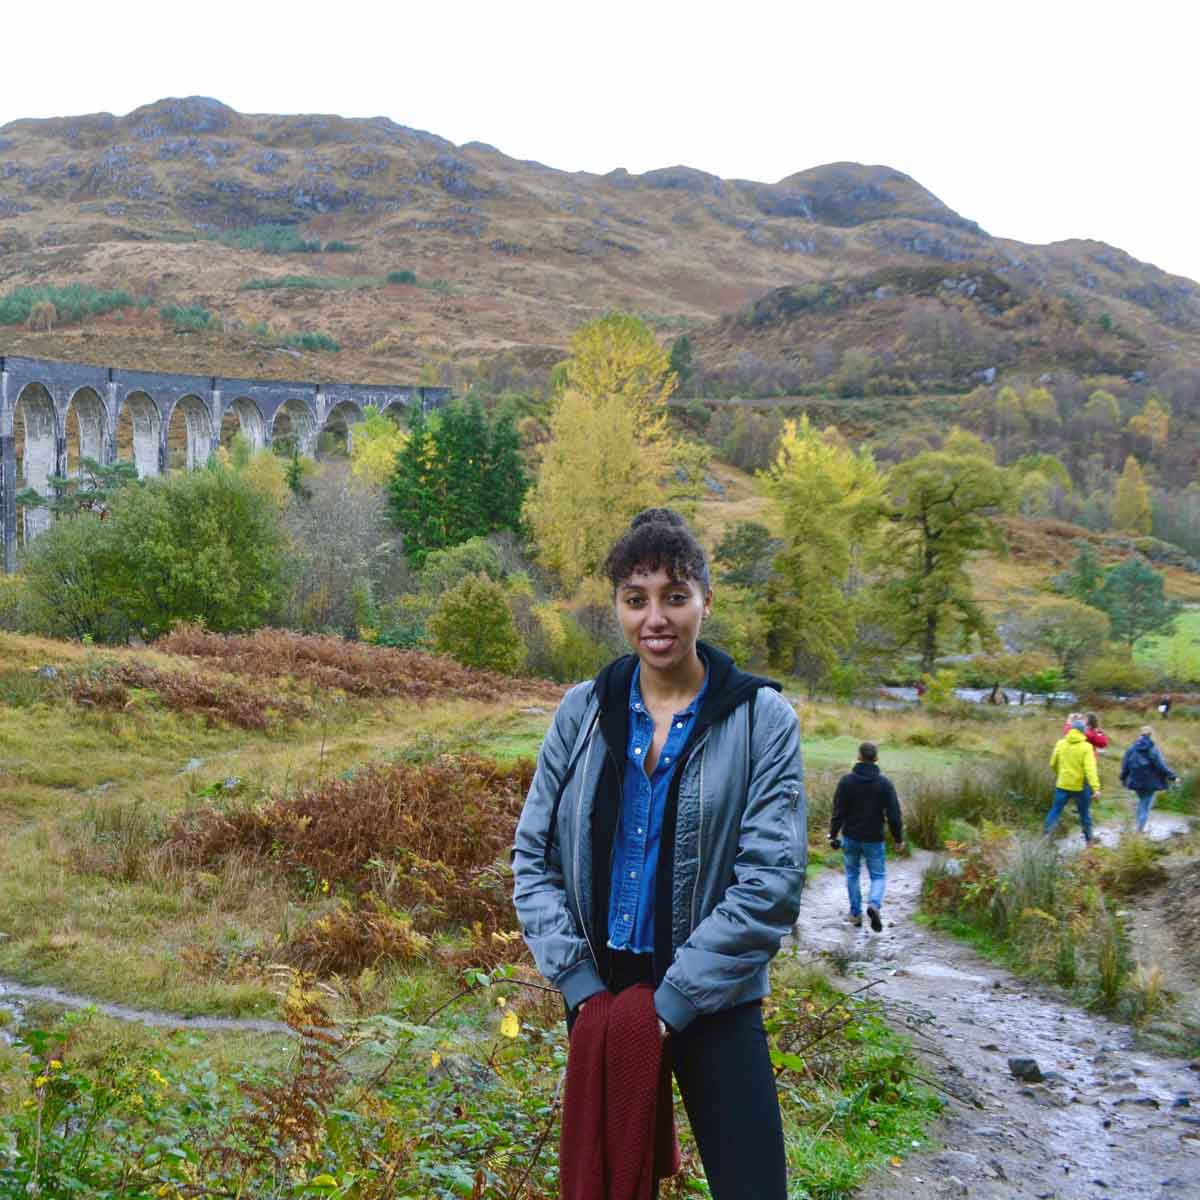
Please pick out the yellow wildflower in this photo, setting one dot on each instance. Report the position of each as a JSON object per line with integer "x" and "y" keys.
{"x": 55, "y": 1065}
{"x": 41, "y": 1081}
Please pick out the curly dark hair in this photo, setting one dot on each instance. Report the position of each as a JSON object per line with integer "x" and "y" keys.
{"x": 657, "y": 538}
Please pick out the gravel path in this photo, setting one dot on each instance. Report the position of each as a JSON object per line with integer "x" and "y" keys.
{"x": 1111, "y": 1121}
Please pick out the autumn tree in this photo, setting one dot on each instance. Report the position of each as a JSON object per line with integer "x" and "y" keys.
{"x": 618, "y": 355}
{"x": 376, "y": 441}
{"x": 1065, "y": 628}
{"x": 830, "y": 500}
{"x": 611, "y": 452}
{"x": 942, "y": 502}
{"x": 596, "y": 473}
{"x": 1131, "y": 501}
{"x": 1153, "y": 422}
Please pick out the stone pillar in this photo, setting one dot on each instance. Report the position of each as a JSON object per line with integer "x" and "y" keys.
{"x": 8, "y": 500}
{"x": 60, "y": 455}
{"x": 8, "y": 481}
{"x": 217, "y": 417}
{"x": 110, "y": 425}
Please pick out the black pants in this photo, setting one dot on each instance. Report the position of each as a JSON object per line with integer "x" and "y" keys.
{"x": 723, "y": 1068}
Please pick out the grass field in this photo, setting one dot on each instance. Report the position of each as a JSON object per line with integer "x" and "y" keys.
{"x": 88, "y": 902}
{"x": 1178, "y": 655}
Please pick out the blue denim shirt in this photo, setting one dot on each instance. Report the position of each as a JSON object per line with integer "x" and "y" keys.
{"x": 639, "y": 825}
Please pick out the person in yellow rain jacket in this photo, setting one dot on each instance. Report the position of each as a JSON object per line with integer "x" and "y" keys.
{"x": 1074, "y": 765}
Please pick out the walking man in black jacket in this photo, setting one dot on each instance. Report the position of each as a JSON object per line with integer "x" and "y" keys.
{"x": 862, "y": 800}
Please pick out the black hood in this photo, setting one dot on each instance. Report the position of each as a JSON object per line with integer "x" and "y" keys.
{"x": 728, "y": 686}
{"x": 866, "y": 770}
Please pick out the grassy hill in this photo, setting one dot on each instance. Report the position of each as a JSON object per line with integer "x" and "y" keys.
{"x": 290, "y": 224}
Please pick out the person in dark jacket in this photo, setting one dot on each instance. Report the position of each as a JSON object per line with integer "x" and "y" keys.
{"x": 1144, "y": 771}
{"x": 864, "y": 799}
{"x": 663, "y": 842}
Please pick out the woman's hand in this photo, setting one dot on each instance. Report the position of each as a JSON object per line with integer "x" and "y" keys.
{"x": 664, "y": 1030}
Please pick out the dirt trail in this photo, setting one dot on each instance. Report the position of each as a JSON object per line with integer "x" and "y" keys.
{"x": 15, "y": 997}
{"x": 1111, "y": 1121}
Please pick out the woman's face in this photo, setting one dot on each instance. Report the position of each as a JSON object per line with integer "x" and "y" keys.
{"x": 660, "y": 617}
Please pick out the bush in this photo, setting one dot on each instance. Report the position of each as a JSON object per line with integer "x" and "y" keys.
{"x": 186, "y": 318}
{"x": 311, "y": 341}
{"x": 402, "y": 622}
{"x": 984, "y": 670}
{"x": 337, "y": 247}
{"x": 334, "y": 664}
{"x": 939, "y": 690}
{"x": 72, "y": 302}
{"x": 474, "y": 625}
{"x": 1113, "y": 673}
{"x": 270, "y": 239}
{"x": 446, "y": 569}
{"x": 404, "y": 277}
{"x": 431, "y": 839}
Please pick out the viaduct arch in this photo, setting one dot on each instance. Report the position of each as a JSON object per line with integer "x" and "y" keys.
{"x": 52, "y": 414}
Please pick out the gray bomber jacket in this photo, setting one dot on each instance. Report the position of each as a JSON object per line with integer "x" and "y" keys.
{"x": 736, "y": 826}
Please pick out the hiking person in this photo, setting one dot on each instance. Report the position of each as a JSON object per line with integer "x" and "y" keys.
{"x": 1073, "y": 762}
{"x": 1164, "y": 707}
{"x": 1144, "y": 772}
{"x": 862, "y": 801}
{"x": 663, "y": 844}
{"x": 1094, "y": 734}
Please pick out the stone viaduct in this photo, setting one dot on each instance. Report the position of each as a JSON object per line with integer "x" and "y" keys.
{"x": 39, "y": 397}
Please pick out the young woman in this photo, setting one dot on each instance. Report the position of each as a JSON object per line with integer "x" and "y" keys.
{"x": 664, "y": 840}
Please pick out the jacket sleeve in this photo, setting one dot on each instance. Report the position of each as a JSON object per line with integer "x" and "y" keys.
{"x": 1161, "y": 763}
{"x": 1089, "y": 767}
{"x": 759, "y": 909}
{"x": 1054, "y": 757}
{"x": 838, "y": 818}
{"x": 1125, "y": 758}
{"x": 553, "y": 935}
{"x": 894, "y": 817}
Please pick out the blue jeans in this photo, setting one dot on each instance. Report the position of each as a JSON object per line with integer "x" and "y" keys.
{"x": 1083, "y": 802}
{"x": 853, "y": 853}
{"x": 1145, "y": 801}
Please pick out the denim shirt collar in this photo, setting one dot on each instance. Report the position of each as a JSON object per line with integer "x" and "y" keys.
{"x": 638, "y": 705}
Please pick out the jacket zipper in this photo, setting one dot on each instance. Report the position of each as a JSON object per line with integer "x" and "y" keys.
{"x": 587, "y": 758}
{"x": 700, "y": 834}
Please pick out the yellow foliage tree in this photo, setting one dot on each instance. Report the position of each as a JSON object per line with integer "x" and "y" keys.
{"x": 596, "y": 474}
{"x": 830, "y": 501}
{"x": 618, "y": 355}
{"x": 377, "y": 441}
{"x": 1153, "y": 422}
{"x": 611, "y": 452}
{"x": 263, "y": 470}
{"x": 1131, "y": 503}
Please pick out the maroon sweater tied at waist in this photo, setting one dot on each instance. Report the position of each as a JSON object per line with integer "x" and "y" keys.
{"x": 618, "y": 1128}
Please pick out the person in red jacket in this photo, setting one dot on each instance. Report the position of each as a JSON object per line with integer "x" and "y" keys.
{"x": 1091, "y": 731}
{"x": 1095, "y": 734}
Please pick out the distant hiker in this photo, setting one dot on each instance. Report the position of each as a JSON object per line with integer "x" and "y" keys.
{"x": 662, "y": 847}
{"x": 1145, "y": 772}
{"x": 863, "y": 800}
{"x": 1094, "y": 734}
{"x": 1075, "y": 777}
{"x": 1164, "y": 707}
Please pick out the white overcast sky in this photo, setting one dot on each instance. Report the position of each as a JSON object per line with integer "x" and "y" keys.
{"x": 1041, "y": 121}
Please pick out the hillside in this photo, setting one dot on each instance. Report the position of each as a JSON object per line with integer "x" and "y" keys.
{"x": 510, "y": 256}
